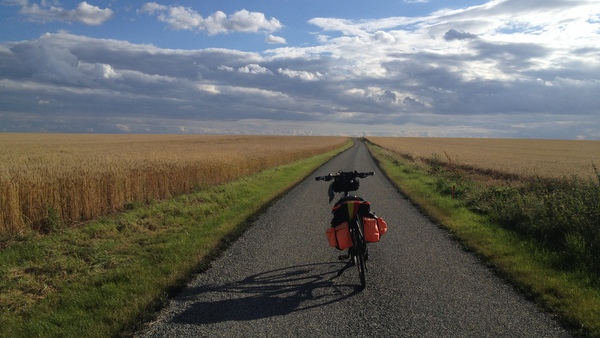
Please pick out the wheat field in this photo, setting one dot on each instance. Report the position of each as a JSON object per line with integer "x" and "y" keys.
{"x": 523, "y": 157}
{"x": 68, "y": 178}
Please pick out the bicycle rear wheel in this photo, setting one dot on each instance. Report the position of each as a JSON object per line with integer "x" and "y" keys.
{"x": 359, "y": 252}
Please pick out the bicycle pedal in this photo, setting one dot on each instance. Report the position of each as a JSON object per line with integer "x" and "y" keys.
{"x": 342, "y": 257}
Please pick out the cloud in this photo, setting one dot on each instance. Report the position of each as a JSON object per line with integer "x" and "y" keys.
{"x": 254, "y": 69}
{"x": 384, "y": 37}
{"x": 272, "y": 39}
{"x": 476, "y": 71}
{"x": 84, "y": 13}
{"x": 185, "y": 18}
{"x": 247, "y": 69}
{"x": 302, "y": 75}
{"x": 453, "y": 34}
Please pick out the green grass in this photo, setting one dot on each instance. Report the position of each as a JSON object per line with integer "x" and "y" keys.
{"x": 572, "y": 292}
{"x": 106, "y": 277}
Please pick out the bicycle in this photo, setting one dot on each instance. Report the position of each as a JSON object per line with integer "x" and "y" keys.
{"x": 348, "y": 223}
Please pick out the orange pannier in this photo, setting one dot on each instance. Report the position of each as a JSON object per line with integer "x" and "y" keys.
{"x": 374, "y": 228}
{"x": 339, "y": 236}
{"x": 382, "y": 225}
{"x": 371, "y": 231}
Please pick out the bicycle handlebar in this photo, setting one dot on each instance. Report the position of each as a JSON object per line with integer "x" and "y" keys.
{"x": 344, "y": 174}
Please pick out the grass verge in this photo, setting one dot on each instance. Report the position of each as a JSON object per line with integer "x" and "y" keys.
{"x": 106, "y": 277}
{"x": 573, "y": 295}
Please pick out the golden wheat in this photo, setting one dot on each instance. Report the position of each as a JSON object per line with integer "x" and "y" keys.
{"x": 543, "y": 158}
{"x": 79, "y": 177}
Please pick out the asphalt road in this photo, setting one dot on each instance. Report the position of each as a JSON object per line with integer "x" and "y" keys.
{"x": 280, "y": 279}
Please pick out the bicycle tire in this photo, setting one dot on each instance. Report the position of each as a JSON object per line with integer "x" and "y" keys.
{"x": 359, "y": 252}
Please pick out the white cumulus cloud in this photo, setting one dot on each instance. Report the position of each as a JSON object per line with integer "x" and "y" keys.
{"x": 185, "y": 18}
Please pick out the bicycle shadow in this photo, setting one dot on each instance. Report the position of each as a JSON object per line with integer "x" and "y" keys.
{"x": 273, "y": 293}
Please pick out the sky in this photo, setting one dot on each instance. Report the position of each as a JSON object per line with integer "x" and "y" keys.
{"x": 431, "y": 68}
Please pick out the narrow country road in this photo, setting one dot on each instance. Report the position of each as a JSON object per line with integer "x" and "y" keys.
{"x": 280, "y": 279}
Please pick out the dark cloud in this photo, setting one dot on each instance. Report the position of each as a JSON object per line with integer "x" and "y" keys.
{"x": 517, "y": 52}
{"x": 412, "y": 102}
{"x": 454, "y": 34}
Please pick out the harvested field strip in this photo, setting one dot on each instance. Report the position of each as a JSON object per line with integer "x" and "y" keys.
{"x": 526, "y": 158}
{"x": 54, "y": 180}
